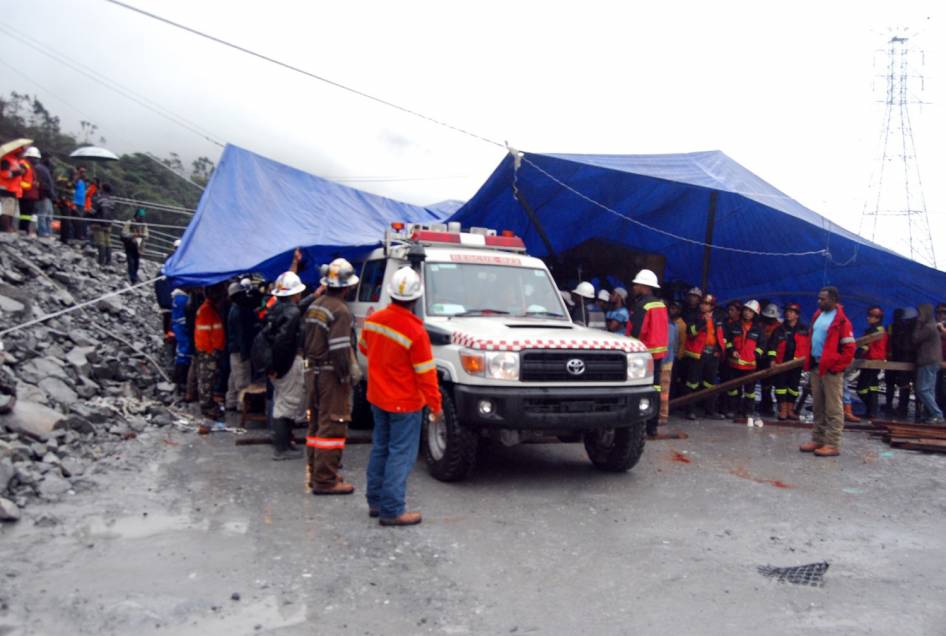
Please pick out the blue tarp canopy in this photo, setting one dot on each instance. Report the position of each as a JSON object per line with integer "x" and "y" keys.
{"x": 765, "y": 244}
{"x": 256, "y": 211}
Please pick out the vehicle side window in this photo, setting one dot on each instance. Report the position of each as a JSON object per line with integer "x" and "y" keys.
{"x": 372, "y": 280}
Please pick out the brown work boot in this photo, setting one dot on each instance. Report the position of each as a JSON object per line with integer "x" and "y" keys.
{"x": 849, "y": 415}
{"x": 827, "y": 451}
{"x": 791, "y": 414}
{"x": 809, "y": 447}
{"x": 782, "y": 411}
{"x": 406, "y": 519}
{"x": 203, "y": 429}
{"x": 340, "y": 488}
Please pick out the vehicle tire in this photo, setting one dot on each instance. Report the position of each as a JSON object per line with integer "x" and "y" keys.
{"x": 449, "y": 448}
{"x": 616, "y": 450}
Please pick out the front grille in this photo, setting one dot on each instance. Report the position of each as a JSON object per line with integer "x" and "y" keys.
{"x": 554, "y": 406}
{"x": 552, "y": 366}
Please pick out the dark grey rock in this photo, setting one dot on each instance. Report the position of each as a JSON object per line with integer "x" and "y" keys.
{"x": 58, "y": 391}
{"x": 76, "y": 423}
{"x": 72, "y": 467}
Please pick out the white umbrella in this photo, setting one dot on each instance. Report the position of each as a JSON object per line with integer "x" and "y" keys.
{"x": 10, "y": 146}
{"x": 94, "y": 153}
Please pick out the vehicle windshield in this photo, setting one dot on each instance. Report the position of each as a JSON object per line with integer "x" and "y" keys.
{"x": 466, "y": 289}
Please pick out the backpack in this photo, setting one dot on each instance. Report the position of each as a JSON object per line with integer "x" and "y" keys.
{"x": 261, "y": 353}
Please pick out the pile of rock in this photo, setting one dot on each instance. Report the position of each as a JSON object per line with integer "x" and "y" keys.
{"x": 84, "y": 381}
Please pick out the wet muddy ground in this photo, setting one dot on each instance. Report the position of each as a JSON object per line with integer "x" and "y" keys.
{"x": 190, "y": 535}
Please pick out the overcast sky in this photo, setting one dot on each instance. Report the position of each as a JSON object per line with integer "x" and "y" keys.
{"x": 788, "y": 90}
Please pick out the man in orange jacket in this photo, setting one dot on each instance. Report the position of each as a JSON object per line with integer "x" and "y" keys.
{"x": 402, "y": 379}
{"x": 210, "y": 342}
{"x": 650, "y": 324}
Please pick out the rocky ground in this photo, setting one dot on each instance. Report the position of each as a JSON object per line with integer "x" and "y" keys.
{"x": 84, "y": 382}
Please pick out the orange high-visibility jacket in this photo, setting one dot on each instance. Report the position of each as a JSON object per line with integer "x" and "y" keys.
{"x": 28, "y": 183}
{"x": 402, "y": 376}
{"x": 209, "y": 334}
{"x": 10, "y": 174}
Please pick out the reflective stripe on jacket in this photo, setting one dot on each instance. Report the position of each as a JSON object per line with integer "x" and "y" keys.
{"x": 402, "y": 375}
{"x": 839, "y": 345}
{"x": 697, "y": 337}
{"x": 743, "y": 340}
{"x": 209, "y": 332}
{"x": 649, "y": 323}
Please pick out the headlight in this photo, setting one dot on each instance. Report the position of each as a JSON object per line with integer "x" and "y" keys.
{"x": 499, "y": 365}
{"x": 639, "y": 366}
{"x": 502, "y": 365}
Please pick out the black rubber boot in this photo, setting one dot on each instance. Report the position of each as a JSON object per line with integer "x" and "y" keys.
{"x": 282, "y": 439}
{"x": 765, "y": 407}
{"x": 691, "y": 412}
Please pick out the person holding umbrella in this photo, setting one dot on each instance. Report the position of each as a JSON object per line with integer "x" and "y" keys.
{"x": 11, "y": 189}
{"x": 134, "y": 234}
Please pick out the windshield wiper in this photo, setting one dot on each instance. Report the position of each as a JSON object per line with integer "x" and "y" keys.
{"x": 550, "y": 314}
{"x": 482, "y": 312}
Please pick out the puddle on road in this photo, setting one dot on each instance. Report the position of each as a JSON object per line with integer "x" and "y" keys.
{"x": 267, "y": 613}
{"x": 142, "y": 526}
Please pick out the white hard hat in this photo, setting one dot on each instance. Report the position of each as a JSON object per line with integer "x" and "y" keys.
{"x": 771, "y": 311}
{"x": 646, "y": 278}
{"x": 288, "y": 284}
{"x": 620, "y": 291}
{"x": 405, "y": 285}
{"x": 753, "y": 305}
{"x": 695, "y": 291}
{"x": 604, "y": 295}
{"x": 33, "y": 153}
{"x": 585, "y": 290}
{"x": 339, "y": 273}
{"x": 567, "y": 297}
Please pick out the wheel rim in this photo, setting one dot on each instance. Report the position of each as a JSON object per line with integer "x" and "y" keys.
{"x": 437, "y": 438}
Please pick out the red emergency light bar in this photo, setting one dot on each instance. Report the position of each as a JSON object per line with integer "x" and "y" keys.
{"x": 507, "y": 242}
{"x": 454, "y": 238}
{"x": 435, "y": 237}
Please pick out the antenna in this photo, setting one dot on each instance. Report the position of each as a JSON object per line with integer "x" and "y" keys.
{"x": 894, "y": 212}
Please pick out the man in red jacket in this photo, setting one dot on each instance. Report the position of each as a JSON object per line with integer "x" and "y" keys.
{"x": 832, "y": 350}
{"x": 650, "y": 323}
{"x": 402, "y": 380}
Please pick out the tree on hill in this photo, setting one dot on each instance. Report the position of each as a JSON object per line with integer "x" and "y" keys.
{"x": 137, "y": 176}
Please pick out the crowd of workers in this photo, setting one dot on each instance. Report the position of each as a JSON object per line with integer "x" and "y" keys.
{"x": 303, "y": 346}
{"x": 30, "y": 193}
{"x": 696, "y": 344}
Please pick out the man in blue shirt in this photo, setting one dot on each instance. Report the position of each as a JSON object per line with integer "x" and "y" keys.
{"x": 617, "y": 316}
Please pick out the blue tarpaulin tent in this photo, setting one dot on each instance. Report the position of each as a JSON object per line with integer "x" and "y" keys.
{"x": 765, "y": 244}
{"x": 256, "y": 211}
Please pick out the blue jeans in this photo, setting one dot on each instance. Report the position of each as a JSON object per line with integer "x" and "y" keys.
{"x": 926, "y": 388}
{"x": 393, "y": 453}
{"x": 44, "y": 217}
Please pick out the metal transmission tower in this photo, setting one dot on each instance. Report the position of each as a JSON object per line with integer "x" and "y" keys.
{"x": 895, "y": 209}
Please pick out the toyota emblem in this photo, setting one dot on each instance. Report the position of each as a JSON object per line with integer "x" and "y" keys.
{"x": 575, "y": 366}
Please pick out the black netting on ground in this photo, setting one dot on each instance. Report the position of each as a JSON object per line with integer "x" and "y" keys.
{"x": 811, "y": 574}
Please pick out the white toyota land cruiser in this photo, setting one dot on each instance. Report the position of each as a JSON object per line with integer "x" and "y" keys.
{"x": 513, "y": 367}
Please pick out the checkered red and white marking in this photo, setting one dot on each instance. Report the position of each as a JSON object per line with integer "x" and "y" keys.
{"x": 486, "y": 344}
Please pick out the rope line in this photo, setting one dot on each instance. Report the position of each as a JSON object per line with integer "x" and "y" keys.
{"x": 685, "y": 239}
{"x": 67, "y": 310}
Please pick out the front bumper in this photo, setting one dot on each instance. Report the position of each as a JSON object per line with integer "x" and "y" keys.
{"x": 555, "y": 408}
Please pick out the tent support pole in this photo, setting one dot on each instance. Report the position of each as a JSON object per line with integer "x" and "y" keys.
{"x": 538, "y": 225}
{"x": 708, "y": 248}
